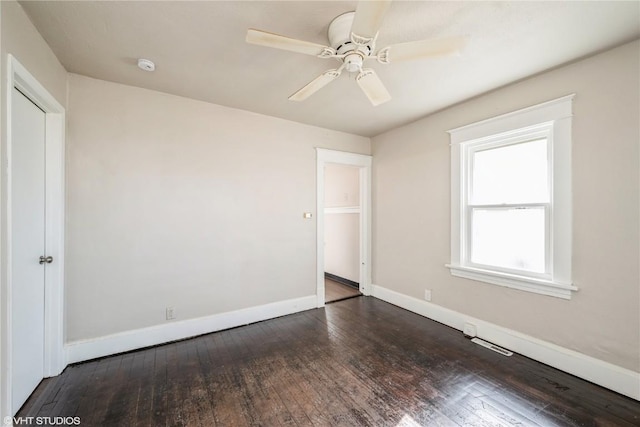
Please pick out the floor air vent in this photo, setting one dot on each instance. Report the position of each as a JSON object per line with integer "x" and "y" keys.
{"x": 492, "y": 347}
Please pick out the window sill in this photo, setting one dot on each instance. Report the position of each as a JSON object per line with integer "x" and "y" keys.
{"x": 538, "y": 286}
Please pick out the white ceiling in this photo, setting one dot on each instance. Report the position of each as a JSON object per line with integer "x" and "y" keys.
{"x": 200, "y": 51}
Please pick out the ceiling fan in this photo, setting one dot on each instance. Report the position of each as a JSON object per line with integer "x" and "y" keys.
{"x": 352, "y": 38}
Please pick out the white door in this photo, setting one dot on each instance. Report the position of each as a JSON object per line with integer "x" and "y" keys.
{"x": 27, "y": 246}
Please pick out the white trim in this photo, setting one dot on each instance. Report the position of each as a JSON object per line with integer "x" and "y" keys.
{"x": 538, "y": 286}
{"x": 554, "y": 118}
{"x": 363, "y": 162}
{"x": 539, "y": 113}
{"x": 605, "y": 374}
{"x": 54, "y": 360}
{"x": 79, "y": 351}
{"x": 342, "y": 210}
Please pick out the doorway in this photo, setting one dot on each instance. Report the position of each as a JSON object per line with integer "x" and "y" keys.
{"x": 333, "y": 211}
{"x": 341, "y": 232}
{"x": 33, "y": 208}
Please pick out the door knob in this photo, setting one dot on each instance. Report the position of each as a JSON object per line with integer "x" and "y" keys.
{"x": 44, "y": 259}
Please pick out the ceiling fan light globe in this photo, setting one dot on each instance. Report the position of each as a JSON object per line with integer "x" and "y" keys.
{"x": 353, "y": 62}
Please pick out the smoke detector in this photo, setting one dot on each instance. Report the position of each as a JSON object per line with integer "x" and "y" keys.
{"x": 146, "y": 65}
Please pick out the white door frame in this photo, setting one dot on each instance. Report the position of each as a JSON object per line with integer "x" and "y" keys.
{"x": 54, "y": 360}
{"x": 363, "y": 162}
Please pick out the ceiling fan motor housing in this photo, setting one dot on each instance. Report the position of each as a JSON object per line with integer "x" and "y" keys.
{"x": 340, "y": 39}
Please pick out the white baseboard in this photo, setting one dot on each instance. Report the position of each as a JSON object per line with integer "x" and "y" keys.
{"x": 79, "y": 351}
{"x": 616, "y": 378}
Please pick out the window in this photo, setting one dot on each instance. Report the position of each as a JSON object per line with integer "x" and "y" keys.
{"x": 511, "y": 200}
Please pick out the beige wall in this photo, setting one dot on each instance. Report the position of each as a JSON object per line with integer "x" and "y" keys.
{"x": 176, "y": 202}
{"x": 342, "y": 230}
{"x": 412, "y": 211}
{"x": 19, "y": 38}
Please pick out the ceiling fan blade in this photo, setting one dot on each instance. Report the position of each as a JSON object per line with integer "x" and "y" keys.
{"x": 263, "y": 38}
{"x": 315, "y": 85}
{"x": 421, "y": 49}
{"x": 368, "y": 20}
{"x": 372, "y": 86}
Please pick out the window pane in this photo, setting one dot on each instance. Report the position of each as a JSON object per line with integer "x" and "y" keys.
{"x": 509, "y": 238}
{"x": 511, "y": 174}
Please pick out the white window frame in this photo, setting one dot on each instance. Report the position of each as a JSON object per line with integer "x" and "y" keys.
{"x": 469, "y": 148}
{"x": 550, "y": 120}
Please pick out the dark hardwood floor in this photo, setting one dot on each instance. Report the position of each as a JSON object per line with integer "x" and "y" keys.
{"x": 357, "y": 362}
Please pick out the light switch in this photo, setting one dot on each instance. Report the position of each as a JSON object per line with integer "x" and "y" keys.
{"x": 307, "y": 215}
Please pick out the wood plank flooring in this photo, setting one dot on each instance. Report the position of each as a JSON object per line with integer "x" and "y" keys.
{"x": 336, "y": 291}
{"x": 357, "y": 362}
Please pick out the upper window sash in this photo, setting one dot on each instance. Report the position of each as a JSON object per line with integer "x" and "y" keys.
{"x": 519, "y": 136}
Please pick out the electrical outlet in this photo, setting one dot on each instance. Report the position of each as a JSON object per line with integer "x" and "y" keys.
{"x": 171, "y": 314}
{"x": 469, "y": 330}
{"x": 427, "y": 294}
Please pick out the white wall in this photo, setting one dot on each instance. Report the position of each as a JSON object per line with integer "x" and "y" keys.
{"x": 412, "y": 211}
{"x": 341, "y": 186}
{"x": 19, "y": 38}
{"x": 342, "y": 230}
{"x": 176, "y": 202}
